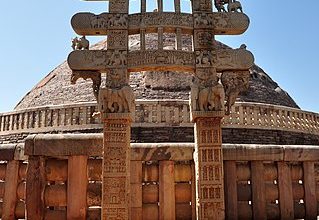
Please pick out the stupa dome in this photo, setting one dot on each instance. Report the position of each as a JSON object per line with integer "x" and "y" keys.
{"x": 265, "y": 114}
{"x": 56, "y": 88}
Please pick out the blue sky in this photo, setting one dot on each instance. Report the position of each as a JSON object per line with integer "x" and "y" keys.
{"x": 283, "y": 35}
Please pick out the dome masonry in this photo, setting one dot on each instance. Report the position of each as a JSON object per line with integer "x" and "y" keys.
{"x": 56, "y": 88}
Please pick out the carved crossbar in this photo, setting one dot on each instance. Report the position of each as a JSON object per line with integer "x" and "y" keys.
{"x": 219, "y": 23}
{"x": 166, "y": 60}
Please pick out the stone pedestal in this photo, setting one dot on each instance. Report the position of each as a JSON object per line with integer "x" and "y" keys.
{"x": 116, "y": 166}
{"x": 208, "y": 158}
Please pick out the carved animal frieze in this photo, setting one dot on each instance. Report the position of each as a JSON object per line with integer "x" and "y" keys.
{"x": 220, "y": 23}
{"x": 223, "y": 59}
{"x": 203, "y": 20}
{"x": 101, "y": 60}
{"x": 95, "y": 76}
{"x": 91, "y": 24}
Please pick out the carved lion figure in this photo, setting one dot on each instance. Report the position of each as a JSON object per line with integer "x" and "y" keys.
{"x": 234, "y": 6}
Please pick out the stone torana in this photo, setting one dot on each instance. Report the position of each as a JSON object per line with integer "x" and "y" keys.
{"x": 219, "y": 76}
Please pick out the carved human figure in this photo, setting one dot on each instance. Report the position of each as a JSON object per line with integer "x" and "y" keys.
{"x": 234, "y": 6}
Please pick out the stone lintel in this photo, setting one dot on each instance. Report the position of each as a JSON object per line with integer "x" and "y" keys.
{"x": 166, "y": 60}
{"x": 219, "y": 23}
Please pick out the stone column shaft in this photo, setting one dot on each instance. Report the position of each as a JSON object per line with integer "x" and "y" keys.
{"x": 117, "y": 124}
{"x": 116, "y": 167}
{"x": 208, "y": 138}
{"x": 209, "y": 168}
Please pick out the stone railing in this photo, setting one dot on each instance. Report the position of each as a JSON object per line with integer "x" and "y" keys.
{"x": 273, "y": 181}
{"x": 157, "y": 113}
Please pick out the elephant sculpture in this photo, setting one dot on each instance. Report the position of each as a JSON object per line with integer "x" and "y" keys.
{"x": 211, "y": 98}
{"x": 127, "y": 99}
{"x": 117, "y": 100}
{"x": 110, "y": 101}
{"x": 217, "y": 97}
{"x": 234, "y": 6}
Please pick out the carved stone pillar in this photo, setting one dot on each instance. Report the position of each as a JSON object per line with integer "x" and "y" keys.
{"x": 208, "y": 159}
{"x": 116, "y": 103}
{"x": 220, "y": 75}
{"x": 207, "y": 111}
{"x": 116, "y": 166}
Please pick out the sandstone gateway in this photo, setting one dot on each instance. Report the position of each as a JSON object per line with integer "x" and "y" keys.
{"x": 219, "y": 76}
{"x": 131, "y": 127}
